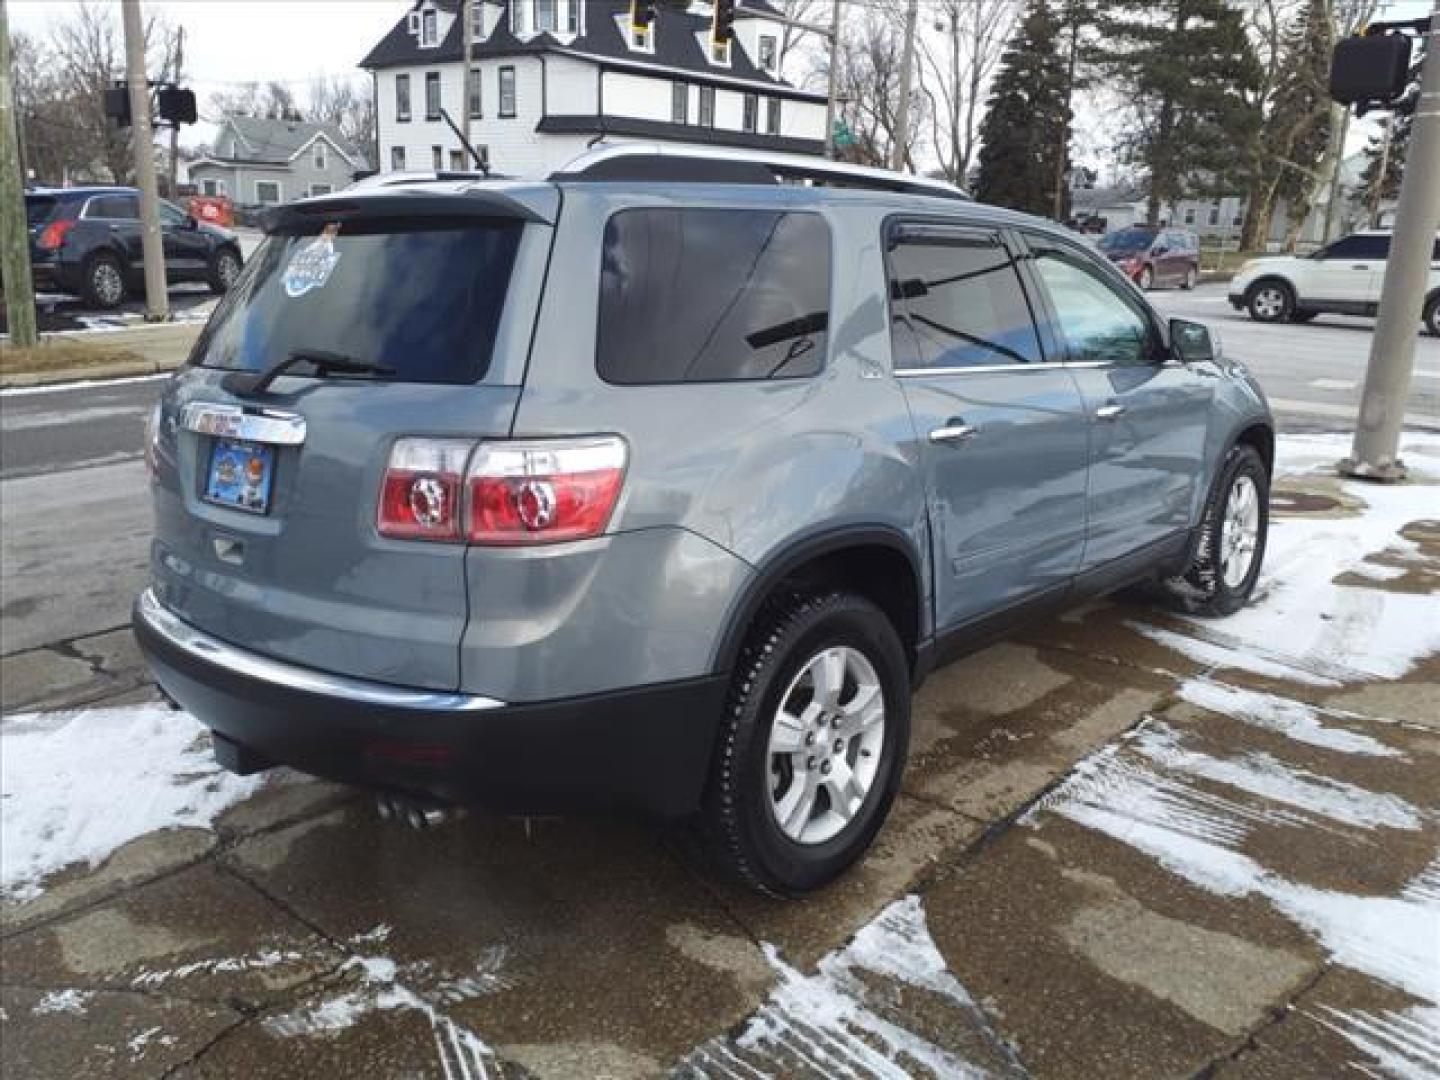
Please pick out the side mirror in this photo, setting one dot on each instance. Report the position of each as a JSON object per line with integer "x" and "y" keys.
{"x": 1192, "y": 342}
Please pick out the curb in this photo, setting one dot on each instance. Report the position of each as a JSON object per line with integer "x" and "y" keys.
{"x": 118, "y": 369}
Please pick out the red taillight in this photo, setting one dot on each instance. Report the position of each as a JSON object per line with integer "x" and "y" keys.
{"x": 544, "y": 491}
{"x": 420, "y": 495}
{"x": 54, "y": 234}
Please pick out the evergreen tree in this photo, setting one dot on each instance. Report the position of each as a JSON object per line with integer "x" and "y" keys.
{"x": 1189, "y": 73}
{"x": 1026, "y": 117}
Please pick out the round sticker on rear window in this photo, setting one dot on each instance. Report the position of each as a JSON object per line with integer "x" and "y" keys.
{"x": 312, "y": 264}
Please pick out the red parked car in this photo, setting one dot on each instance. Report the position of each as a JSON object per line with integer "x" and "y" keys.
{"x": 1153, "y": 257}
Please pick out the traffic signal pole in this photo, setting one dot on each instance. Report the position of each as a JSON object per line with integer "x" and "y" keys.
{"x": 1375, "y": 454}
{"x": 157, "y": 303}
{"x": 907, "y": 65}
{"x": 834, "y": 80}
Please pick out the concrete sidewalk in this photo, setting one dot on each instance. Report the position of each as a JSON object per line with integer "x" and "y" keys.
{"x": 1131, "y": 844}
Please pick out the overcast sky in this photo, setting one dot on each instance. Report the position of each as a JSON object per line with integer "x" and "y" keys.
{"x": 235, "y": 41}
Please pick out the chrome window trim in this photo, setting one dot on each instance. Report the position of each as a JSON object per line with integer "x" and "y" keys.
{"x": 990, "y": 369}
{"x": 232, "y": 422}
{"x": 202, "y": 646}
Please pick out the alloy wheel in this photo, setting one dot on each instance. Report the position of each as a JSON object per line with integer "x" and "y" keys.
{"x": 1269, "y": 303}
{"x": 825, "y": 743}
{"x": 1239, "y": 532}
{"x": 108, "y": 284}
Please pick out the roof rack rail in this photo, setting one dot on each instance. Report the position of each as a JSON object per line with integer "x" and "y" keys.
{"x": 658, "y": 163}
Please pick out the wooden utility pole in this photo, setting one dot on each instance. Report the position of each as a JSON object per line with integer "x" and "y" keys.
{"x": 157, "y": 302}
{"x": 14, "y": 232}
{"x": 901, "y": 150}
{"x": 175, "y": 129}
{"x": 1377, "y": 189}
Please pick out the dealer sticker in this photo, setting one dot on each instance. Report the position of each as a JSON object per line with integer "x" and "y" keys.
{"x": 311, "y": 266}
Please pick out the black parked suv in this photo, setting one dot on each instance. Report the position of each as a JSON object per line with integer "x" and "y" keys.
{"x": 86, "y": 241}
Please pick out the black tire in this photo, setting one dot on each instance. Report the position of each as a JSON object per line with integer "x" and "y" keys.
{"x": 738, "y": 819}
{"x": 104, "y": 285}
{"x": 225, "y": 267}
{"x": 1191, "y": 277}
{"x": 1303, "y": 316}
{"x": 1146, "y": 279}
{"x": 1432, "y": 315}
{"x": 1270, "y": 301}
{"x": 1202, "y": 589}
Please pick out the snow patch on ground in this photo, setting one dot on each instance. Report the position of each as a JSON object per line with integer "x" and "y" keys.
{"x": 1198, "y": 836}
{"x": 1262, "y": 774}
{"x": 63, "y": 1001}
{"x": 463, "y": 1055}
{"x": 141, "y": 1042}
{"x": 1405, "y": 1044}
{"x": 267, "y": 958}
{"x": 832, "y": 1020}
{"x": 1293, "y": 719}
{"x": 77, "y": 785}
{"x": 1303, "y": 622}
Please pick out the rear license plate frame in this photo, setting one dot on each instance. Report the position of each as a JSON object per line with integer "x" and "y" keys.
{"x": 238, "y": 489}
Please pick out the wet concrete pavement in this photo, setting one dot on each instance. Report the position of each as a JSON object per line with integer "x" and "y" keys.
{"x": 1126, "y": 848}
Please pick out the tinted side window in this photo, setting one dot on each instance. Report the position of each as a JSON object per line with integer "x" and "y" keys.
{"x": 114, "y": 208}
{"x": 712, "y": 296}
{"x": 957, "y": 302}
{"x": 1359, "y": 247}
{"x": 1100, "y": 325}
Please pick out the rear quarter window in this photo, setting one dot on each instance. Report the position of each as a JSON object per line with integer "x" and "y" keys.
{"x": 713, "y": 296}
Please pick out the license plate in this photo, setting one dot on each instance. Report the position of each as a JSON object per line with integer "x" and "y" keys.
{"x": 241, "y": 475}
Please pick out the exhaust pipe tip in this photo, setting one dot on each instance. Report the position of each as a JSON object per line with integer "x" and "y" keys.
{"x": 385, "y": 807}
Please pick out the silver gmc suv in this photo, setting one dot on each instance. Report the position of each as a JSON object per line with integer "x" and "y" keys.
{"x": 661, "y": 483}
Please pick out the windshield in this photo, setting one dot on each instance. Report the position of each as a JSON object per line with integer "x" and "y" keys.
{"x": 38, "y": 209}
{"x": 421, "y": 299}
{"x": 1127, "y": 240}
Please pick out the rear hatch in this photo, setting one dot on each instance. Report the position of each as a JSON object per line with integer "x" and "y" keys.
{"x": 267, "y": 495}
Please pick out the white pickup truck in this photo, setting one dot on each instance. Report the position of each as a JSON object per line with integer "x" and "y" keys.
{"x": 1341, "y": 279}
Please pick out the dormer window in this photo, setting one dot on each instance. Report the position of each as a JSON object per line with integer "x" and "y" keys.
{"x": 720, "y": 52}
{"x": 642, "y": 39}
{"x": 767, "y": 53}
{"x": 429, "y": 29}
{"x": 547, "y": 16}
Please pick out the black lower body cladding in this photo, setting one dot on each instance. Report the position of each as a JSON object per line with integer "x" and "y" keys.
{"x": 645, "y": 749}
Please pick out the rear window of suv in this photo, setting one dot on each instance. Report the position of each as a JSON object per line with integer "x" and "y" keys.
{"x": 422, "y": 298}
{"x": 713, "y": 296}
{"x": 38, "y": 209}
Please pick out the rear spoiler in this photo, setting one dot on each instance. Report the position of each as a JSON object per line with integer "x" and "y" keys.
{"x": 476, "y": 202}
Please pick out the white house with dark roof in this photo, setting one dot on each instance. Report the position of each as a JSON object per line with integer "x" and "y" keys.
{"x": 262, "y": 160}
{"x": 553, "y": 76}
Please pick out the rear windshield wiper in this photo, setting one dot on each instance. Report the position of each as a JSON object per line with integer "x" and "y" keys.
{"x": 251, "y": 383}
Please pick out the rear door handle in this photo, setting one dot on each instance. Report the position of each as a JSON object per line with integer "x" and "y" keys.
{"x": 1359, "y": 266}
{"x": 1109, "y": 412}
{"x": 953, "y": 433}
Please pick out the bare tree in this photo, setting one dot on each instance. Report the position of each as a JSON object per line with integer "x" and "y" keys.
{"x": 956, "y": 63}
{"x": 88, "y": 56}
{"x": 271, "y": 100}
{"x": 346, "y": 104}
{"x": 791, "y": 37}
{"x": 868, "y": 86}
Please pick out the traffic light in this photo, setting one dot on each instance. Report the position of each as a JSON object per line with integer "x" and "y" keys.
{"x": 117, "y": 104}
{"x": 722, "y": 27}
{"x": 1370, "y": 70}
{"x": 176, "y": 104}
{"x": 642, "y": 14}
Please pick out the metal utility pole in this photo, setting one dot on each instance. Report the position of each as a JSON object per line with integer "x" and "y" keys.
{"x": 467, "y": 31}
{"x": 157, "y": 303}
{"x": 831, "y": 104}
{"x": 14, "y": 236}
{"x": 175, "y": 129}
{"x": 1376, "y": 451}
{"x": 907, "y": 64}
